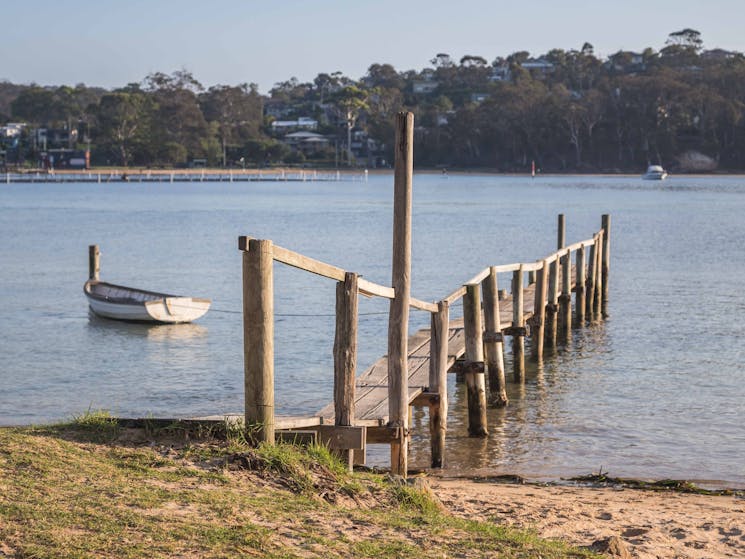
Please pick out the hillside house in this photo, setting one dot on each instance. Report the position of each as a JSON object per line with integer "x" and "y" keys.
{"x": 302, "y": 123}
{"x": 305, "y": 142}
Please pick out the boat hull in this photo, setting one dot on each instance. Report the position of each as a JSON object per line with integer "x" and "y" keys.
{"x": 655, "y": 173}
{"x": 125, "y": 303}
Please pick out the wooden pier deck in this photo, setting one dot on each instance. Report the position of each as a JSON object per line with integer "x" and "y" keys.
{"x": 371, "y": 388}
{"x": 546, "y": 287}
{"x": 374, "y": 406}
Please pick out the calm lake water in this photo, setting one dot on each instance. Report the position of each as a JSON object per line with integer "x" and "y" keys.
{"x": 655, "y": 391}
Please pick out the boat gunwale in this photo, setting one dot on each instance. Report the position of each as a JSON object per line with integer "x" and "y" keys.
{"x": 123, "y": 300}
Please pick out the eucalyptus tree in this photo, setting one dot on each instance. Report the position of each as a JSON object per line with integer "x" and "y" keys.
{"x": 123, "y": 119}
{"x": 234, "y": 111}
{"x": 179, "y": 127}
{"x": 350, "y": 101}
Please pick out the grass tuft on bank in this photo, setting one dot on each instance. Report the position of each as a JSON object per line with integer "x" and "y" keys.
{"x": 90, "y": 488}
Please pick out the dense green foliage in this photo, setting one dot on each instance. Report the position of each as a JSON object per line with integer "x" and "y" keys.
{"x": 566, "y": 110}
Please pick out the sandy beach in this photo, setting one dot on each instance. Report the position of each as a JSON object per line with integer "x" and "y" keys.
{"x": 652, "y": 524}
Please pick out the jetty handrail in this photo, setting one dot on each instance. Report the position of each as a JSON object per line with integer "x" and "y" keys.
{"x": 514, "y": 267}
{"x": 370, "y": 289}
{"x": 365, "y": 287}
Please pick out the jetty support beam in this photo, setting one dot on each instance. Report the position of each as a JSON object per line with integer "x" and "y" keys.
{"x": 438, "y": 382}
{"x": 398, "y": 319}
{"x": 518, "y": 326}
{"x": 475, "y": 379}
{"x": 258, "y": 340}
{"x": 345, "y": 356}
{"x": 606, "y": 262}
{"x": 94, "y": 262}
{"x": 493, "y": 339}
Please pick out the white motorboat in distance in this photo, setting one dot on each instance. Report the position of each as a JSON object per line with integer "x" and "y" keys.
{"x": 128, "y": 303}
{"x": 655, "y": 173}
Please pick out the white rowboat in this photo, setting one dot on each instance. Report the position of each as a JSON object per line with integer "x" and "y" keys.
{"x": 127, "y": 303}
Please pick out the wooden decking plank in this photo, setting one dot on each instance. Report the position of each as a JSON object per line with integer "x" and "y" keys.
{"x": 371, "y": 400}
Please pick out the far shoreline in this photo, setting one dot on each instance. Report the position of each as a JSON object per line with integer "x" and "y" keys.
{"x": 356, "y": 171}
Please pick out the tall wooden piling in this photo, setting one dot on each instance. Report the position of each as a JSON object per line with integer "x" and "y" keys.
{"x": 565, "y": 299}
{"x": 598, "y": 276}
{"x": 518, "y": 326}
{"x": 258, "y": 340}
{"x": 580, "y": 272}
{"x": 590, "y": 283}
{"x": 94, "y": 262}
{"x": 345, "y": 355}
{"x": 539, "y": 311}
{"x": 438, "y": 382}
{"x": 561, "y": 232}
{"x": 475, "y": 380}
{"x": 606, "y": 261}
{"x": 398, "y": 321}
{"x": 552, "y": 308}
{"x": 493, "y": 339}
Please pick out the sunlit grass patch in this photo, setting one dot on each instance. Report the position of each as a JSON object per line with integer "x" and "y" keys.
{"x": 65, "y": 491}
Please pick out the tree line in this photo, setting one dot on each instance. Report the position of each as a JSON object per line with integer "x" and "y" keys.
{"x": 680, "y": 106}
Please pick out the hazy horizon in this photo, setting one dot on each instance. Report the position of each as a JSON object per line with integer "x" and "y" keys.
{"x": 110, "y": 44}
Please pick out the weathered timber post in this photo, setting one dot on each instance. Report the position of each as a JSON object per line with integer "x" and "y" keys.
{"x": 580, "y": 286}
{"x": 599, "y": 277}
{"x": 398, "y": 319}
{"x": 518, "y": 326}
{"x": 258, "y": 340}
{"x": 552, "y": 308}
{"x": 438, "y": 382}
{"x": 94, "y": 262}
{"x": 565, "y": 299}
{"x": 493, "y": 339}
{"x": 475, "y": 381}
{"x": 539, "y": 311}
{"x": 345, "y": 356}
{"x": 590, "y": 283}
{"x": 606, "y": 262}
{"x": 562, "y": 230}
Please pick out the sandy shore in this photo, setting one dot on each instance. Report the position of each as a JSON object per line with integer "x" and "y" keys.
{"x": 652, "y": 524}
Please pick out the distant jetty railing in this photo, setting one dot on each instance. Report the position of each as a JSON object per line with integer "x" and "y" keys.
{"x": 541, "y": 309}
{"x": 190, "y": 175}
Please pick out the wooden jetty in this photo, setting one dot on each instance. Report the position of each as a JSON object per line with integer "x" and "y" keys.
{"x": 184, "y": 175}
{"x": 374, "y": 406}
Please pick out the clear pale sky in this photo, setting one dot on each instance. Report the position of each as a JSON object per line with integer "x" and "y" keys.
{"x": 111, "y": 43}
